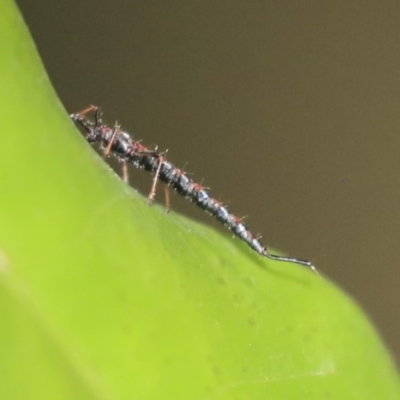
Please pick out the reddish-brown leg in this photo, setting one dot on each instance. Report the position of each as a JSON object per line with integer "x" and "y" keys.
{"x": 93, "y": 108}
{"x": 152, "y": 193}
{"x": 107, "y": 150}
{"x": 167, "y": 201}
{"x": 125, "y": 175}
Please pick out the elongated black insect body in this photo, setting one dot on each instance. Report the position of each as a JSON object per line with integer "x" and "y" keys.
{"x": 115, "y": 142}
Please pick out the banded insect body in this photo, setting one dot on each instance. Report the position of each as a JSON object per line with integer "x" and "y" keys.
{"x": 115, "y": 142}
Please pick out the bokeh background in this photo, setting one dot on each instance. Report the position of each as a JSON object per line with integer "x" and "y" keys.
{"x": 289, "y": 110}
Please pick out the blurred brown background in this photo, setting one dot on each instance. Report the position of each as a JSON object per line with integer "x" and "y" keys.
{"x": 289, "y": 110}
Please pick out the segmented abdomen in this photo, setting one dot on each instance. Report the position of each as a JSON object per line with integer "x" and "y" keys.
{"x": 200, "y": 197}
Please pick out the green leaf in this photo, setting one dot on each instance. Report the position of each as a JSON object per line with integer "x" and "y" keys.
{"x": 103, "y": 297}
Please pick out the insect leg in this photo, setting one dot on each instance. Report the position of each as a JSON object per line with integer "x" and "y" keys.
{"x": 152, "y": 193}
{"x": 167, "y": 199}
{"x": 125, "y": 175}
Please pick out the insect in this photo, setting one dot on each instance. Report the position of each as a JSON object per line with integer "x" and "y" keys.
{"x": 115, "y": 142}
